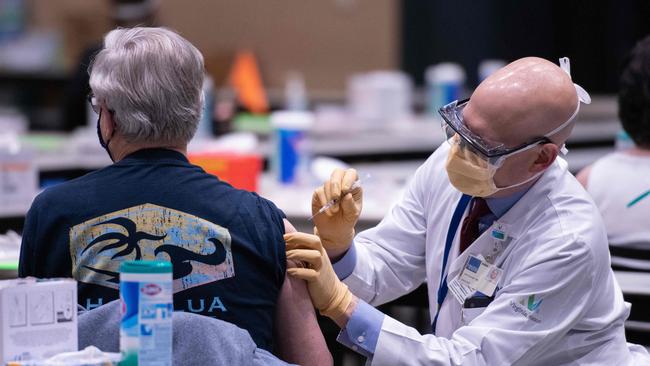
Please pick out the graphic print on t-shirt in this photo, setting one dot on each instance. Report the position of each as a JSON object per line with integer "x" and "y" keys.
{"x": 200, "y": 251}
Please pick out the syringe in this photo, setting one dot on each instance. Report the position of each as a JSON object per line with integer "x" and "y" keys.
{"x": 332, "y": 202}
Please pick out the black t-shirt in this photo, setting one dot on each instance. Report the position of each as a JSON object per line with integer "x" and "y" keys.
{"x": 225, "y": 244}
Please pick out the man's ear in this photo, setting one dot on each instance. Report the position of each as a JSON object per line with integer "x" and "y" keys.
{"x": 108, "y": 122}
{"x": 545, "y": 158}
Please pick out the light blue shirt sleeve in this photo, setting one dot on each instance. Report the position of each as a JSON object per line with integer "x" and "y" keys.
{"x": 362, "y": 331}
{"x": 263, "y": 357}
{"x": 344, "y": 266}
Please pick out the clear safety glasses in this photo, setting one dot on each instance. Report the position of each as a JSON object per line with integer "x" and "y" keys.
{"x": 453, "y": 125}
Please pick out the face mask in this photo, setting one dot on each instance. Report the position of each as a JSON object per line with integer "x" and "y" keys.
{"x": 473, "y": 175}
{"x": 103, "y": 143}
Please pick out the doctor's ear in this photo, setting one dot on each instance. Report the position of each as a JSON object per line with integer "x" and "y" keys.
{"x": 545, "y": 157}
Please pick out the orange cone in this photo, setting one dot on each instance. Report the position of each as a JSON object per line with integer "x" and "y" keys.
{"x": 246, "y": 80}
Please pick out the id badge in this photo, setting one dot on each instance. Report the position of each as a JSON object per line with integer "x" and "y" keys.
{"x": 477, "y": 275}
{"x": 475, "y": 268}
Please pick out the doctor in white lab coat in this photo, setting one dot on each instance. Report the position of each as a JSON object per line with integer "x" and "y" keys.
{"x": 513, "y": 250}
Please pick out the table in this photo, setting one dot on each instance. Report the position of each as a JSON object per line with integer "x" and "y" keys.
{"x": 401, "y": 148}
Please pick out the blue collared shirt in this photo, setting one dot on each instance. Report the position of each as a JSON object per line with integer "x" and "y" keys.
{"x": 498, "y": 207}
{"x": 362, "y": 331}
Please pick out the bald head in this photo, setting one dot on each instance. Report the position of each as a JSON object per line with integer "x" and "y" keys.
{"x": 524, "y": 100}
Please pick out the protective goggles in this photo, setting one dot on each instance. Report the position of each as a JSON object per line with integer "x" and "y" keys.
{"x": 453, "y": 124}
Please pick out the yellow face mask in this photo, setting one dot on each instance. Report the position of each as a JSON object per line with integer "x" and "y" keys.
{"x": 470, "y": 173}
{"x": 473, "y": 175}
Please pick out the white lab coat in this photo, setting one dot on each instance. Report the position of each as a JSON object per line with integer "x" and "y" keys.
{"x": 556, "y": 251}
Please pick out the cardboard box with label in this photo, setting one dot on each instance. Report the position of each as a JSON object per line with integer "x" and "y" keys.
{"x": 38, "y": 318}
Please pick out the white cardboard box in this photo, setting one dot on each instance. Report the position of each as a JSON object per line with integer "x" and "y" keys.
{"x": 38, "y": 318}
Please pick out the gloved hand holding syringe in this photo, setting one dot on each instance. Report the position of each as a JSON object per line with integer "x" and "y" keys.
{"x": 356, "y": 185}
{"x": 341, "y": 199}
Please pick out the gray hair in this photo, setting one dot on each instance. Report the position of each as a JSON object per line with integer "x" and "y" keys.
{"x": 151, "y": 79}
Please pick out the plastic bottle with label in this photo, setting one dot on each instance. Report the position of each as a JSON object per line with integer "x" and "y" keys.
{"x": 292, "y": 148}
{"x": 146, "y": 292}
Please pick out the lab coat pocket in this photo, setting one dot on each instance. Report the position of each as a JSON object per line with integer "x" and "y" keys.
{"x": 474, "y": 306}
{"x": 469, "y": 314}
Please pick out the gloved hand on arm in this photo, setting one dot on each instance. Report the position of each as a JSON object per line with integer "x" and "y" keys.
{"x": 335, "y": 226}
{"x": 328, "y": 294}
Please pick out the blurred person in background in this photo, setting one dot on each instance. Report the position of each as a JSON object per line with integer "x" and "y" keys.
{"x": 620, "y": 182}
{"x": 124, "y": 14}
{"x": 225, "y": 244}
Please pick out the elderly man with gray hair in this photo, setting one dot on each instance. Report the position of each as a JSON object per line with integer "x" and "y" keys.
{"x": 226, "y": 245}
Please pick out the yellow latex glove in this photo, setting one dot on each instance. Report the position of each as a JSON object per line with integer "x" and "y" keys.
{"x": 328, "y": 294}
{"x": 335, "y": 226}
